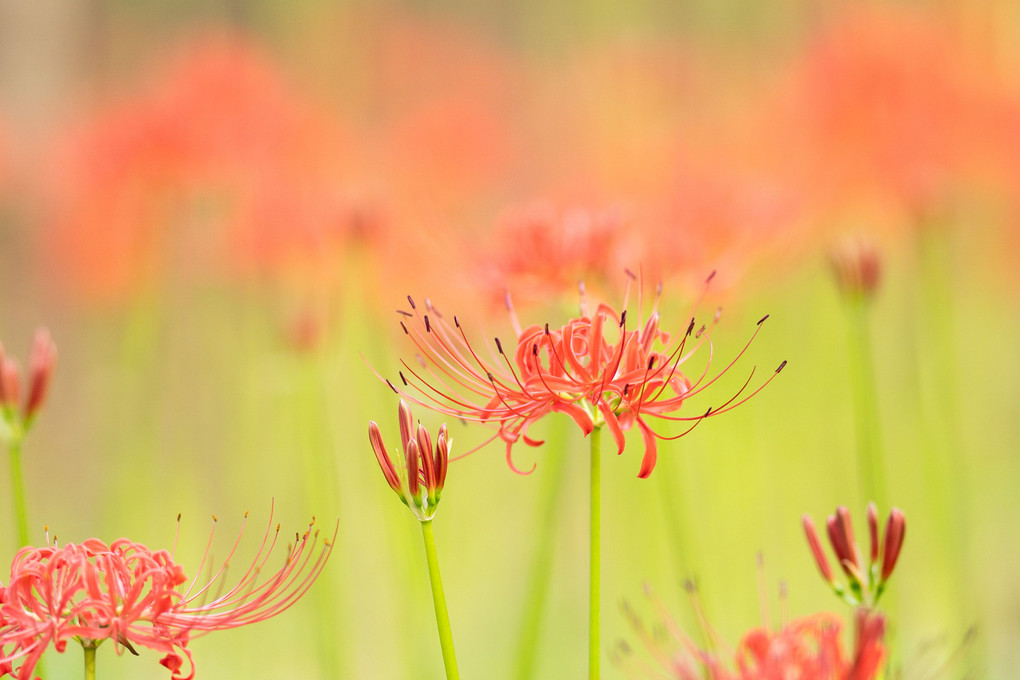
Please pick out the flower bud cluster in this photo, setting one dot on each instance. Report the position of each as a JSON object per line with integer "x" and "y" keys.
{"x": 418, "y": 481}
{"x": 866, "y": 579}
{"x": 16, "y": 413}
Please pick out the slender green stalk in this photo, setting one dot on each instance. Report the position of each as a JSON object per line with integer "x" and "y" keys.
{"x": 90, "y": 662}
{"x": 18, "y": 490}
{"x": 539, "y": 576}
{"x": 594, "y": 655}
{"x": 862, "y": 368}
{"x": 439, "y": 600}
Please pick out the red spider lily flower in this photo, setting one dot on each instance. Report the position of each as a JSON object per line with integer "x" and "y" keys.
{"x": 419, "y": 481}
{"x": 133, "y": 595}
{"x": 866, "y": 580}
{"x": 580, "y": 370}
{"x": 809, "y": 648}
{"x": 41, "y": 362}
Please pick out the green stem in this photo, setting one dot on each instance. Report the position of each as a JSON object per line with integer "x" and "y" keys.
{"x": 862, "y": 368}
{"x": 595, "y": 566}
{"x": 539, "y": 576}
{"x": 90, "y": 662}
{"x": 18, "y": 490}
{"x": 439, "y": 600}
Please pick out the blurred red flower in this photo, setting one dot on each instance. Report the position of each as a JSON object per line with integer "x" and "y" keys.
{"x": 216, "y": 166}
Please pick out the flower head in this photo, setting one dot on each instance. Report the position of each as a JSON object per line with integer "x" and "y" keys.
{"x": 41, "y": 362}
{"x": 126, "y": 592}
{"x": 866, "y": 579}
{"x": 419, "y": 481}
{"x": 809, "y": 648}
{"x": 596, "y": 368}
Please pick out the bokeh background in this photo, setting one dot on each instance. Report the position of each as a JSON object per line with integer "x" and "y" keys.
{"x": 216, "y": 208}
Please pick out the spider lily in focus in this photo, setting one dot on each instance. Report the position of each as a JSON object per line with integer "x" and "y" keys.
{"x": 126, "y": 592}
{"x": 583, "y": 369}
{"x": 866, "y": 580}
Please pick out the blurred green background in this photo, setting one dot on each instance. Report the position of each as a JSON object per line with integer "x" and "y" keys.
{"x": 216, "y": 207}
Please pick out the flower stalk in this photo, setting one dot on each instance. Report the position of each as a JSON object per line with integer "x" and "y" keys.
{"x": 594, "y": 557}
{"x": 439, "y": 602}
{"x": 90, "y": 661}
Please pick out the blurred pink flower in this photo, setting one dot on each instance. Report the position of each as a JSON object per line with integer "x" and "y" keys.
{"x": 128, "y": 593}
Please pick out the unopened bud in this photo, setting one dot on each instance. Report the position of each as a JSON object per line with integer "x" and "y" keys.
{"x": 413, "y": 467}
{"x": 816, "y": 549}
{"x": 873, "y": 530}
{"x": 42, "y": 360}
{"x": 388, "y": 470}
{"x": 442, "y": 458}
{"x": 406, "y": 423}
{"x": 9, "y": 381}
{"x": 428, "y": 462}
{"x": 895, "y": 530}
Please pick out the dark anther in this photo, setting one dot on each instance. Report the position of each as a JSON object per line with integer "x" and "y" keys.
{"x": 710, "y": 276}
{"x": 411, "y": 300}
{"x": 499, "y": 346}
{"x": 402, "y": 378}
{"x": 392, "y": 387}
{"x": 762, "y": 320}
{"x": 651, "y": 362}
{"x": 629, "y": 273}
{"x": 534, "y": 349}
{"x": 623, "y": 318}
{"x": 488, "y": 374}
{"x": 428, "y": 326}
{"x": 547, "y": 329}
{"x": 456, "y": 321}
{"x": 406, "y": 332}
{"x": 781, "y": 366}
{"x": 403, "y": 313}
{"x": 690, "y": 327}
{"x": 625, "y": 388}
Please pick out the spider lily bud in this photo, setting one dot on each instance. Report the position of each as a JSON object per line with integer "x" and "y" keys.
{"x": 419, "y": 477}
{"x": 866, "y": 581}
{"x": 42, "y": 360}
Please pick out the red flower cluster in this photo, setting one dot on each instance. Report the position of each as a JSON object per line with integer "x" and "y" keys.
{"x": 578, "y": 369}
{"x": 133, "y": 595}
{"x": 810, "y": 648}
